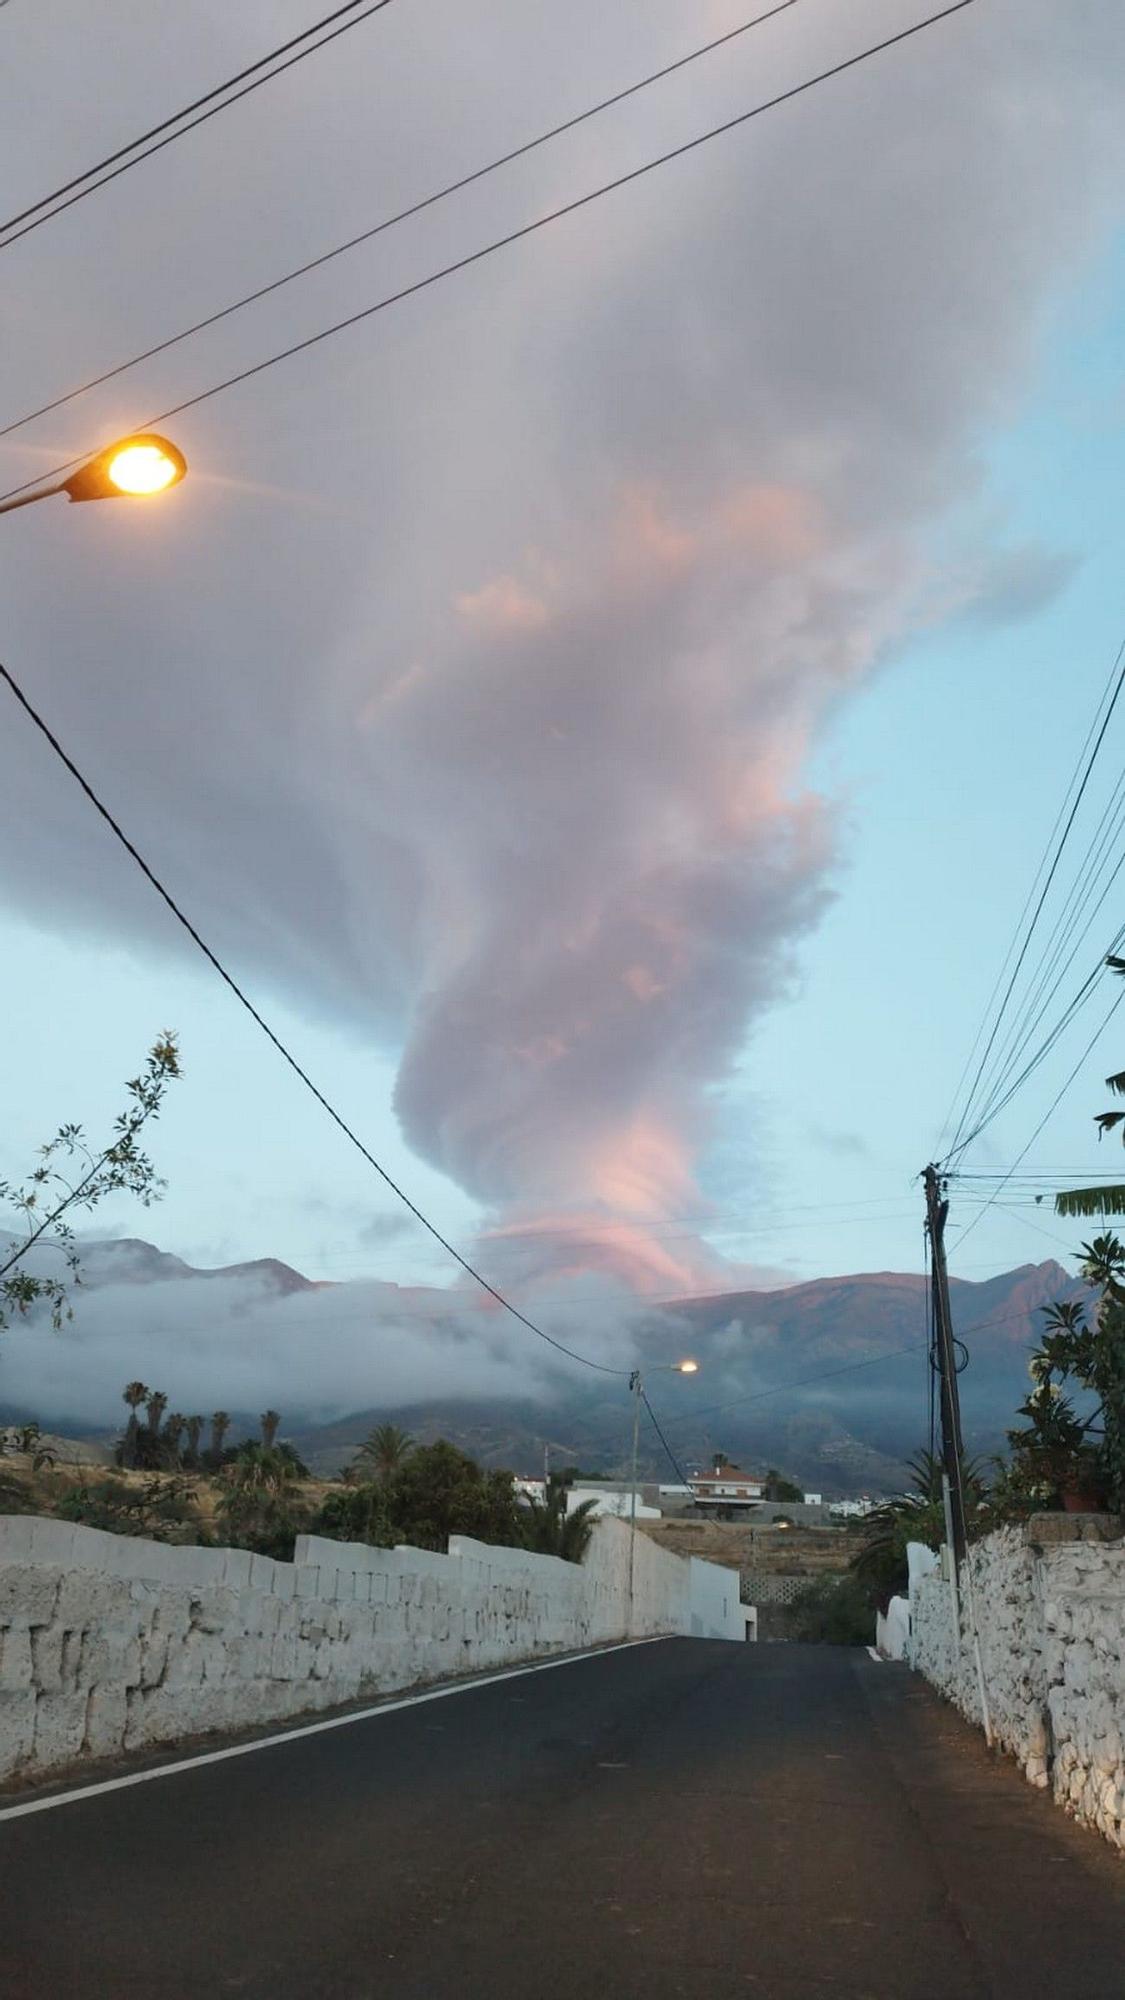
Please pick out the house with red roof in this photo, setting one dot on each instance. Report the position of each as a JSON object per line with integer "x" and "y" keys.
{"x": 726, "y": 1489}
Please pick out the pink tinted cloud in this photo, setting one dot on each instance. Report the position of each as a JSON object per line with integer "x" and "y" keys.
{"x": 503, "y": 606}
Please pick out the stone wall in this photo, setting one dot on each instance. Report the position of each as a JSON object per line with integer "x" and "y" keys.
{"x": 110, "y": 1644}
{"x": 1050, "y": 1604}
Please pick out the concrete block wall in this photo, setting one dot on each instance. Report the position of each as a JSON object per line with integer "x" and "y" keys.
{"x": 1050, "y": 1600}
{"x": 110, "y": 1644}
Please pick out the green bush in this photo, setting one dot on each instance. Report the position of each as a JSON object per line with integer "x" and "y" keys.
{"x": 164, "y": 1510}
{"x": 356, "y": 1514}
{"x": 833, "y": 1611}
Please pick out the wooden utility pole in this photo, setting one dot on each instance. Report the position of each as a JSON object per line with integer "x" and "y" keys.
{"x": 952, "y": 1452}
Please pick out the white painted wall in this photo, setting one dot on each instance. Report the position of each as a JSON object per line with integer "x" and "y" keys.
{"x": 608, "y": 1502}
{"x": 892, "y": 1629}
{"x": 1051, "y": 1612}
{"x": 110, "y": 1644}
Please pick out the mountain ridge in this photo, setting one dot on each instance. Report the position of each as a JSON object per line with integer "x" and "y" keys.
{"x": 827, "y": 1379}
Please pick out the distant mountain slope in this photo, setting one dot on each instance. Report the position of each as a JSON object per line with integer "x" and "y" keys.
{"x": 129, "y": 1260}
{"x": 827, "y": 1380}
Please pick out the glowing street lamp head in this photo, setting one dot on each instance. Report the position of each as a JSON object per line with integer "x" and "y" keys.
{"x": 687, "y": 1367}
{"x": 143, "y": 468}
{"x": 134, "y": 466}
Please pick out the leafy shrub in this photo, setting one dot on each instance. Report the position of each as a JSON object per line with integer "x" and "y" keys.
{"x": 356, "y": 1514}
{"x": 263, "y": 1520}
{"x": 162, "y": 1509}
{"x": 440, "y": 1491}
{"x": 833, "y": 1611}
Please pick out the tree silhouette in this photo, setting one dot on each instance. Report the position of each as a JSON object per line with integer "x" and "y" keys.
{"x": 383, "y": 1452}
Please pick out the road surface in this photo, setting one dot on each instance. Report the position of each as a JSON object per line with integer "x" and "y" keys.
{"x": 684, "y": 1818}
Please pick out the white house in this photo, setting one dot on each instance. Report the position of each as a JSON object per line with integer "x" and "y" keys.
{"x": 726, "y": 1489}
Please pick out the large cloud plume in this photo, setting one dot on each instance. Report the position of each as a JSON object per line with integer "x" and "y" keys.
{"x": 493, "y": 747}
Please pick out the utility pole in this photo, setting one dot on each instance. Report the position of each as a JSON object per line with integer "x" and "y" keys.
{"x": 952, "y": 1451}
{"x": 636, "y": 1385}
{"x": 937, "y": 1208}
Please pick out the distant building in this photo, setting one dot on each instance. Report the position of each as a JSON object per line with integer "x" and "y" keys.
{"x": 813, "y": 1500}
{"x": 727, "y": 1490}
{"x": 611, "y": 1496}
{"x": 852, "y": 1510}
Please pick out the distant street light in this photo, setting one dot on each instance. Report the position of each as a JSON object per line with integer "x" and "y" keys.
{"x": 637, "y": 1386}
{"x": 133, "y": 468}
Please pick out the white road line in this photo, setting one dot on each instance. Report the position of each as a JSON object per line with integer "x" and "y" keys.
{"x": 311, "y": 1729}
{"x": 877, "y": 1657}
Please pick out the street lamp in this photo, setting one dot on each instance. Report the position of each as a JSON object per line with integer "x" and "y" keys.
{"x": 134, "y": 467}
{"x": 637, "y": 1387}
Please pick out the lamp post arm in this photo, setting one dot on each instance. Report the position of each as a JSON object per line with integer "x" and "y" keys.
{"x": 29, "y": 499}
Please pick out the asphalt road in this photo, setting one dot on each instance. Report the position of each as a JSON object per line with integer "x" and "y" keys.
{"x": 684, "y": 1818}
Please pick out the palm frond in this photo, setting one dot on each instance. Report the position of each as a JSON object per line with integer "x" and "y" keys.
{"x": 1116, "y": 1083}
{"x": 1091, "y": 1201}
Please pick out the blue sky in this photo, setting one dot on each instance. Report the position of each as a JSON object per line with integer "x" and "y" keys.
{"x": 952, "y": 764}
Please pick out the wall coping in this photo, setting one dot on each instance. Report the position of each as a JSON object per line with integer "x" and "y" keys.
{"x": 1045, "y": 1530}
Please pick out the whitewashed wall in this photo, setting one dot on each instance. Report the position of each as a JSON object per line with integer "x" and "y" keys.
{"x": 1050, "y": 1600}
{"x": 110, "y": 1644}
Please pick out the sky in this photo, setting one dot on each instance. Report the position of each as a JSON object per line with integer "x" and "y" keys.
{"x": 609, "y": 708}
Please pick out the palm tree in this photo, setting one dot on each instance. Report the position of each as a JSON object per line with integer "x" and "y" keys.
{"x": 1100, "y": 1200}
{"x": 381, "y": 1454}
{"x": 269, "y": 1420}
{"x": 134, "y": 1393}
{"x": 548, "y": 1529}
{"x": 220, "y": 1425}
{"x": 174, "y": 1427}
{"x": 259, "y": 1467}
{"x": 194, "y": 1433}
{"x": 880, "y": 1564}
{"x": 155, "y": 1405}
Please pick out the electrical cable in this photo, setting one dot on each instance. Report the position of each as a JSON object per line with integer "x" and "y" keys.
{"x": 84, "y": 184}
{"x": 1077, "y": 903}
{"x": 1049, "y": 1113}
{"x": 1119, "y": 670}
{"x": 1085, "y": 992}
{"x": 848, "y": 1367}
{"x": 1026, "y": 907}
{"x": 515, "y": 235}
{"x": 279, "y": 1045}
{"x": 673, "y": 1460}
{"x": 391, "y": 221}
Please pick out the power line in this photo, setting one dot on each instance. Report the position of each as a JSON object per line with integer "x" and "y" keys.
{"x": 516, "y": 235}
{"x": 279, "y": 1045}
{"x": 1073, "y": 1008}
{"x": 673, "y": 1460}
{"x": 799, "y": 1382}
{"x": 1084, "y": 888}
{"x": 850, "y": 1367}
{"x": 391, "y": 221}
{"x": 1118, "y": 671}
{"x": 85, "y": 183}
{"x": 1048, "y": 1114}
